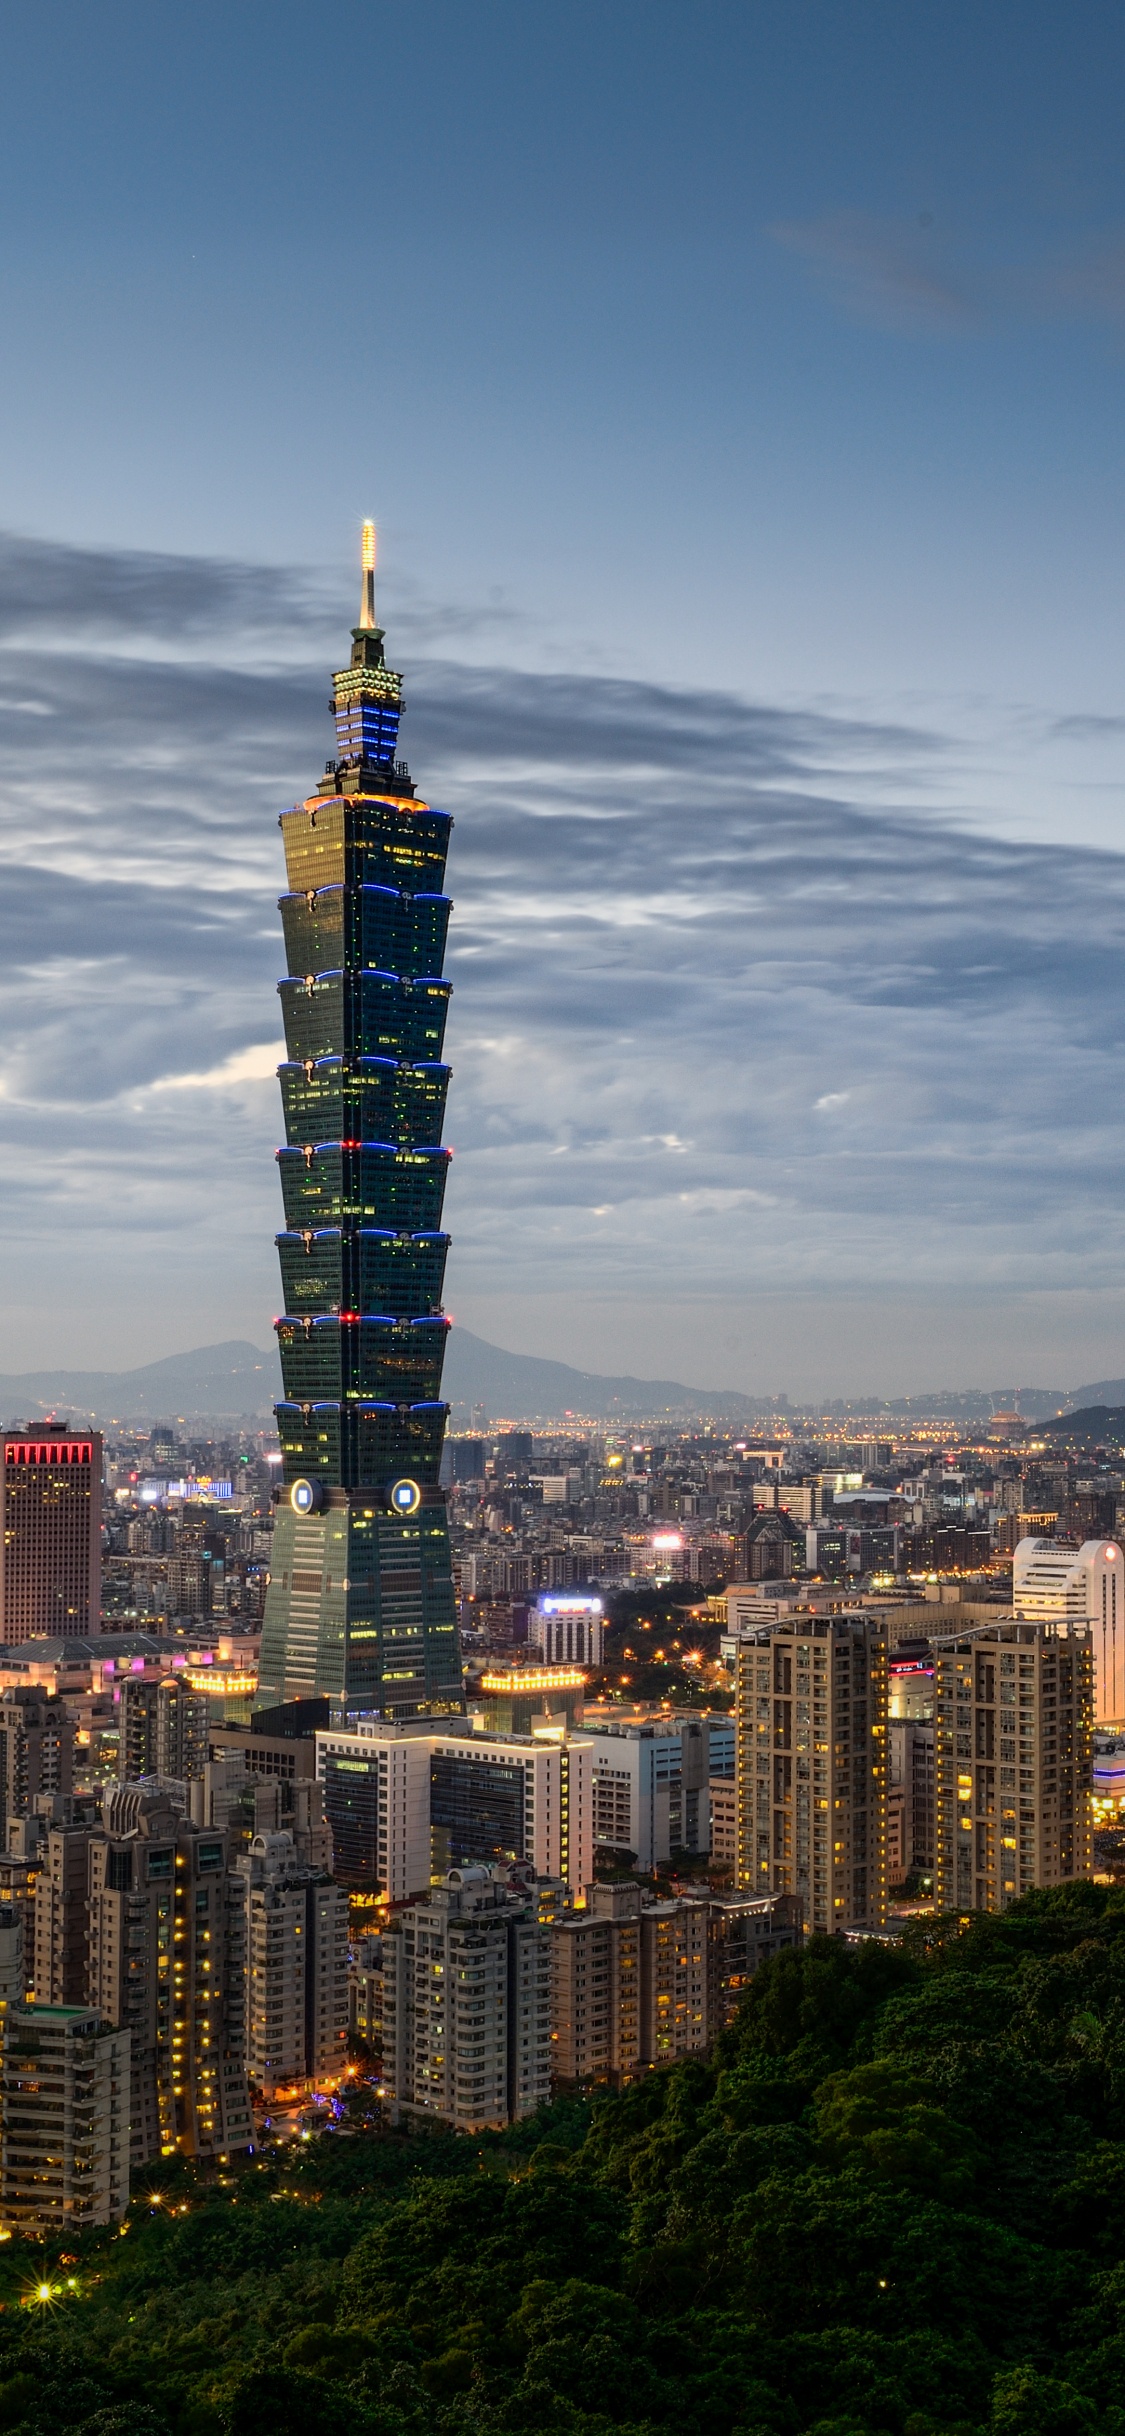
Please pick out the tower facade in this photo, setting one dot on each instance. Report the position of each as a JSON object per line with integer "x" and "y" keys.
{"x": 50, "y": 1534}
{"x": 360, "y": 1603}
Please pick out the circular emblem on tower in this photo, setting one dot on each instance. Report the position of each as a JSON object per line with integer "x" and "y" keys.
{"x": 404, "y": 1496}
{"x": 305, "y": 1496}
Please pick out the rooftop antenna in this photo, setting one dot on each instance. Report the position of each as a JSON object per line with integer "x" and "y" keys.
{"x": 367, "y": 611}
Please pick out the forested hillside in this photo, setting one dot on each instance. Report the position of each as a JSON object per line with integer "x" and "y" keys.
{"x": 895, "y": 2201}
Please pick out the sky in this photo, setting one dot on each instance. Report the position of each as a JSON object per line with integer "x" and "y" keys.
{"x": 739, "y": 393}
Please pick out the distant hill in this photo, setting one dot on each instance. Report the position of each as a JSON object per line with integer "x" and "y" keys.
{"x": 521, "y": 1387}
{"x": 238, "y": 1380}
{"x": 1097, "y": 1424}
{"x": 1110, "y": 1392}
{"x": 219, "y": 1382}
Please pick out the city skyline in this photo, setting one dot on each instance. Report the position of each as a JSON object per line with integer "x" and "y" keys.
{"x": 757, "y": 582}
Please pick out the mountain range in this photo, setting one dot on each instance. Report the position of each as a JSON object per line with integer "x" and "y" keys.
{"x": 238, "y": 1381}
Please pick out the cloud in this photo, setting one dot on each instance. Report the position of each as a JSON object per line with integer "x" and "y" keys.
{"x": 903, "y": 272}
{"x": 896, "y": 272}
{"x": 1083, "y": 281}
{"x": 258, "y": 1064}
{"x": 163, "y": 606}
{"x": 687, "y": 928}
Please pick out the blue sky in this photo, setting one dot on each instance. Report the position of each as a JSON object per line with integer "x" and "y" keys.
{"x": 739, "y": 392}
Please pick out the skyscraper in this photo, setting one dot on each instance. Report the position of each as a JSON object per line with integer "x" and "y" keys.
{"x": 50, "y": 1534}
{"x": 360, "y": 1603}
{"x": 811, "y": 1710}
{"x": 1013, "y": 1704}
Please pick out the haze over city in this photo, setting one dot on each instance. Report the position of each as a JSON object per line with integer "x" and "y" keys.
{"x": 740, "y": 415}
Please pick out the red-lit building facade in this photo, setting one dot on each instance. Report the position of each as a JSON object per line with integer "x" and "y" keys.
{"x": 50, "y": 1534}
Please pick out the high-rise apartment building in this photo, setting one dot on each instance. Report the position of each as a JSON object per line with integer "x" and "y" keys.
{"x": 50, "y": 1534}
{"x": 163, "y": 1729}
{"x": 748, "y": 1931}
{"x": 59, "y": 1971}
{"x": 596, "y": 1988}
{"x": 36, "y": 1748}
{"x": 1013, "y": 1704}
{"x": 228, "y": 1796}
{"x": 466, "y": 2005}
{"x": 13, "y": 1988}
{"x": 20, "y": 1867}
{"x": 651, "y": 1779}
{"x": 1085, "y": 1585}
{"x": 677, "y": 1979}
{"x": 708, "y": 1743}
{"x": 632, "y": 1984}
{"x": 811, "y": 1712}
{"x": 166, "y": 1960}
{"x": 296, "y": 1968}
{"x": 360, "y": 1602}
{"x": 64, "y": 2120}
{"x": 635, "y": 1985}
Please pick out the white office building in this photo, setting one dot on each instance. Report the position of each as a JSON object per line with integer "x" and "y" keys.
{"x": 407, "y": 1806}
{"x": 637, "y": 1769}
{"x": 567, "y": 1627}
{"x": 376, "y": 1781}
{"x": 1084, "y": 1585}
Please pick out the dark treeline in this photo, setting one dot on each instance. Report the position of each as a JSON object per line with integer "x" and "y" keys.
{"x": 894, "y": 2201}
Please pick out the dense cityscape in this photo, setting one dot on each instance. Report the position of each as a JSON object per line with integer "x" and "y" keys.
{"x": 562, "y": 1828}
{"x": 363, "y": 1779}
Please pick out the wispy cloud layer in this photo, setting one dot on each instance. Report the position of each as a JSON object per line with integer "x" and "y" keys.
{"x": 912, "y": 272}
{"x": 897, "y": 272}
{"x": 736, "y": 1009}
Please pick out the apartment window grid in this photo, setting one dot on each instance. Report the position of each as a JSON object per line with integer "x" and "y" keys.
{"x": 811, "y": 1714}
{"x": 1013, "y": 1717}
{"x": 612, "y": 1806}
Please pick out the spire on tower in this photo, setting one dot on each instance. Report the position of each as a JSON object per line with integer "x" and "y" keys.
{"x": 367, "y": 610}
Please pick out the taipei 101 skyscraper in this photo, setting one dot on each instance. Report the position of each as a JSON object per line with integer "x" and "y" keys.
{"x": 360, "y": 1602}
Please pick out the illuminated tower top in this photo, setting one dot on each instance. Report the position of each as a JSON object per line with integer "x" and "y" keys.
{"x": 367, "y": 703}
{"x": 367, "y": 554}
